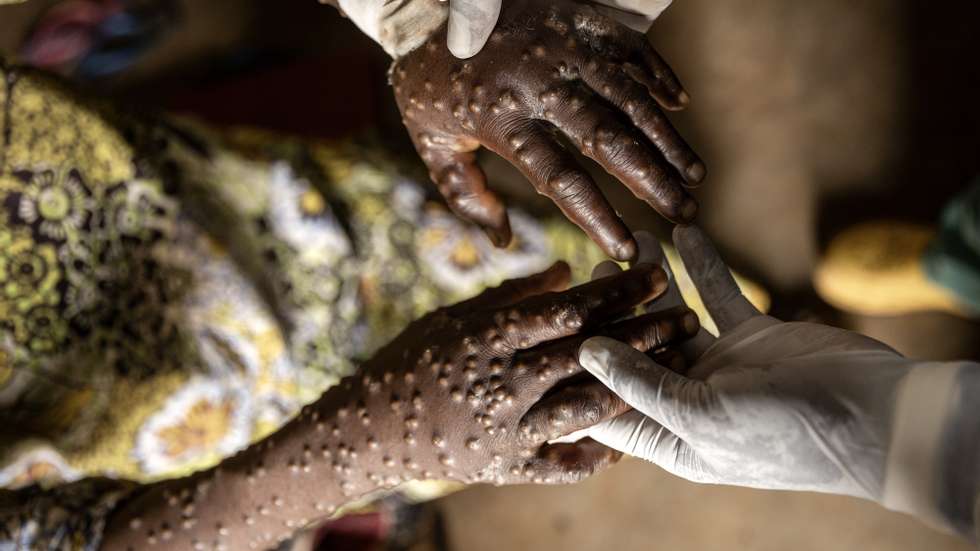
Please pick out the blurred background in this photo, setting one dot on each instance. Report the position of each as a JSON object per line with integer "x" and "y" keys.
{"x": 814, "y": 118}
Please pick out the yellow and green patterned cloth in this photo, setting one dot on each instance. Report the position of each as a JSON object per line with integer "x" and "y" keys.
{"x": 169, "y": 294}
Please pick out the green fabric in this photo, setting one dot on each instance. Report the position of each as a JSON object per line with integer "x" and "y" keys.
{"x": 953, "y": 259}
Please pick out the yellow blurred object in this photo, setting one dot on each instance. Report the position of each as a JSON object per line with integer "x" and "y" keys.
{"x": 876, "y": 269}
{"x": 753, "y": 291}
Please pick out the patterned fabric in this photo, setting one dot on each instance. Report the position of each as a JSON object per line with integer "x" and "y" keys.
{"x": 67, "y": 518}
{"x": 169, "y": 294}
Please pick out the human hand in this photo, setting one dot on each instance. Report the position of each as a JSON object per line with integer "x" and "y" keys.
{"x": 768, "y": 404}
{"x": 551, "y": 68}
{"x": 444, "y": 400}
{"x": 463, "y": 377}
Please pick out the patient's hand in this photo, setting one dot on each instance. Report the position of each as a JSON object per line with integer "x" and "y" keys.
{"x": 447, "y": 399}
{"x": 550, "y": 69}
{"x": 459, "y": 381}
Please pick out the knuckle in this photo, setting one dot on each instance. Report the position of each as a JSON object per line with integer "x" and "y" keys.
{"x": 569, "y": 185}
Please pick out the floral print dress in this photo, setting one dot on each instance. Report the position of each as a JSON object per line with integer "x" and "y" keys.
{"x": 169, "y": 294}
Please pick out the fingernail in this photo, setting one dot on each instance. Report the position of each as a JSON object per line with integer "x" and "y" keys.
{"x": 657, "y": 277}
{"x": 624, "y": 251}
{"x": 696, "y": 172}
{"x": 688, "y": 209}
{"x": 683, "y": 98}
{"x": 499, "y": 238}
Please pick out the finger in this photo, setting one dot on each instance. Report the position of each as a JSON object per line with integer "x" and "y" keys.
{"x": 635, "y": 434}
{"x": 547, "y": 364}
{"x": 670, "y": 399}
{"x": 632, "y": 98}
{"x": 671, "y": 358}
{"x": 649, "y": 251}
{"x": 463, "y": 184}
{"x": 666, "y": 98}
{"x": 570, "y": 409}
{"x": 652, "y": 252}
{"x": 661, "y": 79}
{"x": 555, "y": 173}
{"x": 597, "y": 132}
{"x": 555, "y": 278}
{"x": 605, "y": 269}
{"x": 555, "y": 315}
{"x": 470, "y": 24}
{"x": 712, "y": 278}
{"x": 567, "y": 463}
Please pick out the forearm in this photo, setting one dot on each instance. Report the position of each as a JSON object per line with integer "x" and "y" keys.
{"x": 933, "y": 469}
{"x": 339, "y": 449}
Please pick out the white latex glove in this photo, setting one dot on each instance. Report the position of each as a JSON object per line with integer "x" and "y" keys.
{"x": 402, "y": 25}
{"x": 796, "y": 406}
{"x": 470, "y": 25}
{"x": 472, "y": 21}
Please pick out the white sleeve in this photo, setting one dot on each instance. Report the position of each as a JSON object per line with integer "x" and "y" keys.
{"x": 399, "y": 26}
{"x": 933, "y": 467}
{"x": 636, "y": 14}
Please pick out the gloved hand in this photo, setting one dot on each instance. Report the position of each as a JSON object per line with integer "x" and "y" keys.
{"x": 793, "y": 406}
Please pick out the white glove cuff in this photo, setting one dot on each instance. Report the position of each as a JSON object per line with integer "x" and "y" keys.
{"x": 399, "y": 26}
{"x": 635, "y": 14}
{"x": 922, "y": 406}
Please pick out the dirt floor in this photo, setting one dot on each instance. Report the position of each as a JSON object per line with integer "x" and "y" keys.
{"x": 811, "y": 116}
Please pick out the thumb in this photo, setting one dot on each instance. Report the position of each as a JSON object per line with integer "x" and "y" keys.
{"x": 636, "y": 434}
{"x": 470, "y": 25}
{"x": 664, "y": 396}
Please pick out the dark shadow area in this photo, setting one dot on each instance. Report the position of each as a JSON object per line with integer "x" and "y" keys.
{"x": 941, "y": 142}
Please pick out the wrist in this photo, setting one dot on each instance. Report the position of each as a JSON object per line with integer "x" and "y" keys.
{"x": 324, "y": 458}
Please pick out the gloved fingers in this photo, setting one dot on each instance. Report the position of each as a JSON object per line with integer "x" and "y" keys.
{"x": 635, "y": 434}
{"x": 567, "y": 463}
{"x": 617, "y": 87}
{"x": 553, "y": 316}
{"x": 555, "y": 278}
{"x": 652, "y": 252}
{"x": 546, "y": 365}
{"x": 668, "y": 398}
{"x": 463, "y": 184}
{"x": 555, "y": 174}
{"x": 581, "y": 404}
{"x": 598, "y": 132}
{"x": 719, "y": 292}
{"x": 470, "y": 25}
{"x": 569, "y": 409}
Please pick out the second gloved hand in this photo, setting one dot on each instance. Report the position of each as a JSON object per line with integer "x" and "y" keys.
{"x": 795, "y": 406}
